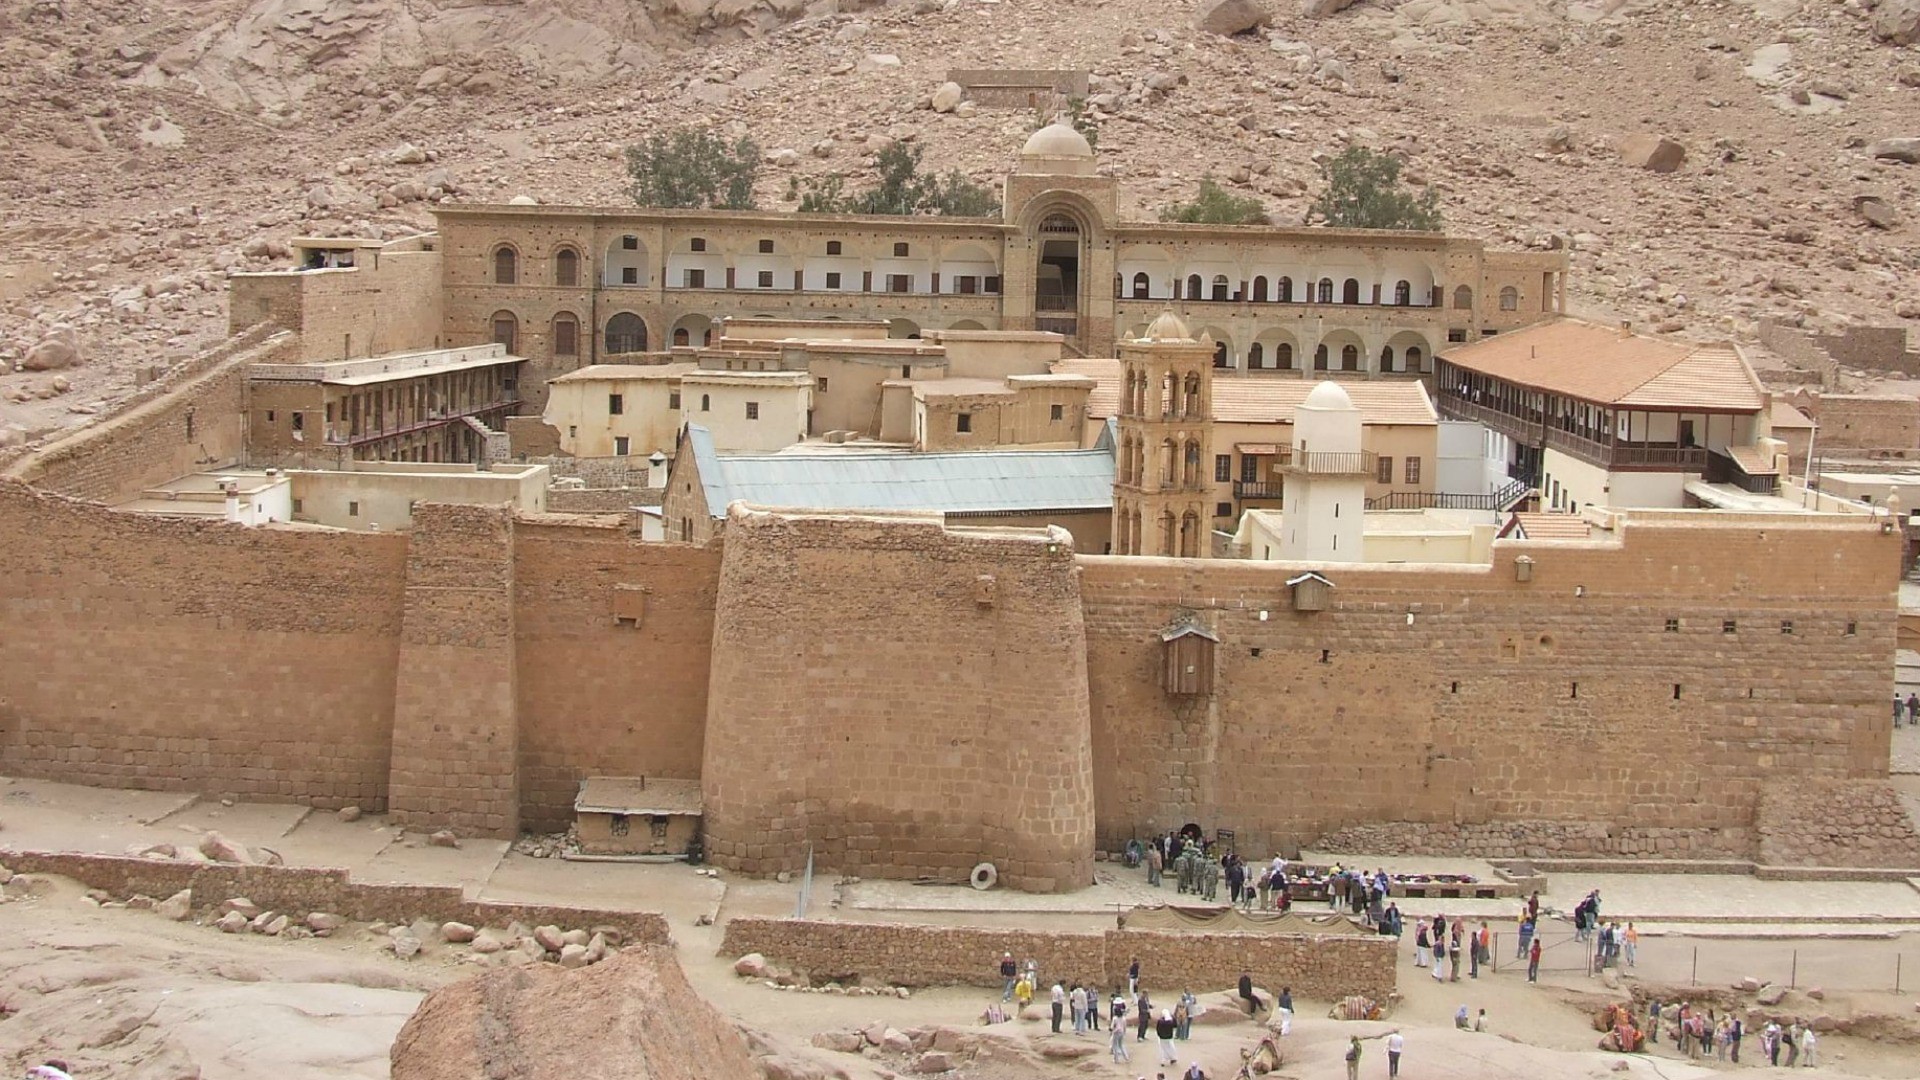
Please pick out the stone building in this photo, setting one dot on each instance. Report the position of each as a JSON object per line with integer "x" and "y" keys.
{"x": 1165, "y": 444}
{"x": 437, "y": 405}
{"x": 575, "y": 286}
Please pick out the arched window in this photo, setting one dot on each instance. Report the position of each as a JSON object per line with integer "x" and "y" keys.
{"x": 1463, "y": 299}
{"x": 680, "y": 336}
{"x": 1219, "y": 354}
{"x": 1221, "y": 290}
{"x": 506, "y": 330}
{"x": 1350, "y": 292}
{"x": 1193, "y": 287}
{"x": 566, "y": 267}
{"x": 1284, "y": 291}
{"x": 1260, "y": 290}
{"x": 1350, "y": 358}
{"x": 1283, "y": 356}
{"x": 1140, "y": 286}
{"x": 1386, "y": 358}
{"x": 1509, "y": 299}
{"x": 706, "y": 403}
{"x": 566, "y": 335}
{"x": 1403, "y": 293}
{"x": 1414, "y": 358}
{"x": 1326, "y": 290}
{"x": 1320, "y": 358}
{"x": 626, "y": 333}
{"x": 1256, "y": 356}
{"x": 505, "y": 265}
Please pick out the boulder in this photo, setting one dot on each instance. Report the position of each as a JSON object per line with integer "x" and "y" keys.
{"x": 1228, "y": 17}
{"x": 873, "y": 1033}
{"x": 1906, "y": 150}
{"x": 444, "y": 838}
{"x": 548, "y": 938}
{"x": 458, "y": 933}
{"x": 232, "y": 923}
{"x": 404, "y": 945}
{"x": 1066, "y": 1050}
{"x": 1897, "y": 22}
{"x": 1653, "y": 153}
{"x": 947, "y": 98}
{"x": 220, "y": 849}
{"x": 259, "y": 922}
{"x": 247, "y": 908}
{"x": 574, "y": 937}
{"x": 349, "y": 813}
{"x": 322, "y": 922}
{"x": 840, "y": 1042}
{"x": 633, "y": 1016}
{"x": 933, "y": 1061}
{"x": 597, "y": 948}
{"x": 752, "y": 966}
{"x": 276, "y": 926}
{"x": 896, "y": 1042}
{"x": 1817, "y": 994}
{"x": 1315, "y": 9}
{"x": 176, "y": 907}
{"x": 1771, "y": 995}
{"x": 1824, "y": 1023}
{"x": 59, "y": 349}
{"x": 487, "y": 943}
{"x": 1748, "y": 984}
{"x": 573, "y": 956}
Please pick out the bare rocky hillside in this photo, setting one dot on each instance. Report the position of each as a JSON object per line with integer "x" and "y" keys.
{"x": 148, "y": 147}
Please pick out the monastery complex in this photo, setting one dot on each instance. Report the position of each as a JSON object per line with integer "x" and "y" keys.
{"x": 918, "y": 543}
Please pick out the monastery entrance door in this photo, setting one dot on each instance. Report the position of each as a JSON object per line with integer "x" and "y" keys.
{"x": 1056, "y": 279}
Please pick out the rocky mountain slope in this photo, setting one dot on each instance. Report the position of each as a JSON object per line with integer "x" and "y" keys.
{"x": 149, "y": 147}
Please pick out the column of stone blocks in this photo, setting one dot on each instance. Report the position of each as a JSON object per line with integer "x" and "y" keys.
{"x": 456, "y": 718}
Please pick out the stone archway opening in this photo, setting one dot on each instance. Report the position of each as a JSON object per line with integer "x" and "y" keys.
{"x": 1056, "y": 278}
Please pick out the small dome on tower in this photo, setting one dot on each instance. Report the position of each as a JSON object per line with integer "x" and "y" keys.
{"x": 1329, "y": 396}
{"x": 1057, "y": 140}
{"x": 523, "y": 200}
{"x": 1167, "y": 327}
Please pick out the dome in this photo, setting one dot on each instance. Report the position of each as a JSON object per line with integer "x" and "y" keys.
{"x": 1167, "y": 327}
{"x": 1057, "y": 140}
{"x": 522, "y": 200}
{"x": 1328, "y": 396}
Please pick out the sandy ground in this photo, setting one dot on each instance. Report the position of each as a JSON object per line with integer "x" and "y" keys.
{"x": 125, "y": 993}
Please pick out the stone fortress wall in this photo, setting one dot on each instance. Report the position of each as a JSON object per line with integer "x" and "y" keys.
{"x": 985, "y": 694}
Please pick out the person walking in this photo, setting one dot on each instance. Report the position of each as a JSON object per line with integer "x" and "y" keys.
{"x": 1117, "y": 1020}
{"x": 1133, "y": 976}
{"x": 1734, "y": 1033}
{"x": 1422, "y": 948}
{"x": 1897, "y": 706}
{"x": 1143, "y": 1011}
{"x": 1095, "y": 1006}
{"x": 1533, "y": 962}
{"x": 1394, "y": 1045}
{"x": 1913, "y": 710}
{"x": 1808, "y": 1043}
{"x": 1453, "y": 952}
{"x": 1439, "y": 955}
{"x": 1285, "y": 1005}
{"x": 1166, "y": 1028}
{"x": 1790, "y": 1039}
{"x": 1077, "y": 1000}
{"x": 1010, "y": 972}
{"x": 1632, "y": 942}
{"x": 1526, "y": 936}
{"x": 1154, "y": 865}
{"x": 1059, "y": 1006}
{"x": 1183, "y": 1016}
{"x": 1353, "y": 1058}
{"x": 1022, "y": 993}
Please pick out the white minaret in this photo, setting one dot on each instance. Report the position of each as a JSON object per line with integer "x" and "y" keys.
{"x": 1326, "y": 476}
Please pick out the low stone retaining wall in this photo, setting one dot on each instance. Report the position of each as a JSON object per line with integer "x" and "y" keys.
{"x": 1836, "y": 823}
{"x": 1323, "y": 967}
{"x": 305, "y": 889}
{"x": 1537, "y": 840}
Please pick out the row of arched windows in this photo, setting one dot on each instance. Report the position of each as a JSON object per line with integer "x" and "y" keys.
{"x": 1179, "y": 397}
{"x": 1281, "y": 291}
{"x": 1282, "y": 358}
{"x": 1179, "y": 537}
{"x": 506, "y": 266}
{"x": 625, "y": 333}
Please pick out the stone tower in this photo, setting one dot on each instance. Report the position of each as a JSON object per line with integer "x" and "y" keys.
{"x": 1326, "y": 476}
{"x": 1164, "y": 479}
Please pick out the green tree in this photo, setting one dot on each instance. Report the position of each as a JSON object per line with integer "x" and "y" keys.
{"x": 902, "y": 190}
{"x": 1214, "y": 205}
{"x": 1364, "y": 192}
{"x": 692, "y": 168}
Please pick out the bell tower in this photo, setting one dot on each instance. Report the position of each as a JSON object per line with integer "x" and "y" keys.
{"x": 1163, "y": 480}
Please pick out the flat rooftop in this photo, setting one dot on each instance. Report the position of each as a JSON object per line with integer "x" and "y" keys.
{"x": 626, "y": 372}
{"x": 389, "y": 368}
